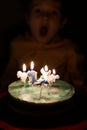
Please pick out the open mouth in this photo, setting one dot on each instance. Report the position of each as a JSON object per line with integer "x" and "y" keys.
{"x": 43, "y": 31}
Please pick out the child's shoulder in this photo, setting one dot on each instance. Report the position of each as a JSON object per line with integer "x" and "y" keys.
{"x": 68, "y": 47}
{"x": 68, "y": 44}
{"x": 20, "y": 41}
{"x": 73, "y": 49}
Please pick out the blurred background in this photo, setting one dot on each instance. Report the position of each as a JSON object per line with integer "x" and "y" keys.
{"x": 12, "y": 24}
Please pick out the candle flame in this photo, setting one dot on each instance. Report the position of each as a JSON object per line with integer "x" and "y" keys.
{"x": 46, "y": 68}
{"x": 32, "y": 65}
{"x": 24, "y": 67}
{"x": 54, "y": 71}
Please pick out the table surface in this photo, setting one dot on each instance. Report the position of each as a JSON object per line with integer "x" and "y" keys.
{"x": 77, "y": 119}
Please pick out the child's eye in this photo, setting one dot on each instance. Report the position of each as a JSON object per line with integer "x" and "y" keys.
{"x": 37, "y": 10}
{"x": 54, "y": 13}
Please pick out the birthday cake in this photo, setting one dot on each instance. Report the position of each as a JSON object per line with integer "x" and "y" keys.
{"x": 39, "y": 94}
{"x": 43, "y": 97}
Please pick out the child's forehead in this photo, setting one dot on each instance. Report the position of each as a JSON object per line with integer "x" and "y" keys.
{"x": 52, "y": 3}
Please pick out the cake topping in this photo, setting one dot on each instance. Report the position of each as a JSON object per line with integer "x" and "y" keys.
{"x": 46, "y": 78}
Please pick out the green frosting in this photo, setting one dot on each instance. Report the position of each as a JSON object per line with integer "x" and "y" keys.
{"x": 58, "y": 92}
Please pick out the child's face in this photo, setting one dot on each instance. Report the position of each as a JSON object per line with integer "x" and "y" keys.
{"x": 45, "y": 20}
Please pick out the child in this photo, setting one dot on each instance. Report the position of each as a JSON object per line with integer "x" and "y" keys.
{"x": 44, "y": 45}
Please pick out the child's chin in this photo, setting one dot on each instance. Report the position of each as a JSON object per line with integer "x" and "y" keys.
{"x": 43, "y": 40}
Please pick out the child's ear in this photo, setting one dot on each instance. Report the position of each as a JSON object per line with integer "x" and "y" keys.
{"x": 27, "y": 19}
{"x": 64, "y": 21}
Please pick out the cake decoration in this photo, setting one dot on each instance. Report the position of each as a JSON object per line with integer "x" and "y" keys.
{"x": 46, "y": 78}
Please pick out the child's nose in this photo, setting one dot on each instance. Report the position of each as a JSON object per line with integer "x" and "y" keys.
{"x": 45, "y": 16}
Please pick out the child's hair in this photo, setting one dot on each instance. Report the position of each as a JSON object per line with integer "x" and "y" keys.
{"x": 27, "y": 6}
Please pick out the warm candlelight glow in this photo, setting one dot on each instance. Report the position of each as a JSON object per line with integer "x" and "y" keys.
{"x": 47, "y": 77}
{"x": 54, "y": 71}
{"x": 46, "y": 68}
{"x": 24, "y": 67}
{"x": 32, "y": 65}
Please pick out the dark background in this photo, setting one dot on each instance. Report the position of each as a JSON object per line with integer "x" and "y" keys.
{"x": 11, "y": 24}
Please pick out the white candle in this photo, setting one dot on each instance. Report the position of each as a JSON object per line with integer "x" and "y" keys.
{"x": 22, "y": 75}
{"x": 44, "y": 72}
{"x": 54, "y": 75}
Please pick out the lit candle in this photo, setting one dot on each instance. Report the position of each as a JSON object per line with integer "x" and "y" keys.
{"x": 54, "y": 71}
{"x": 44, "y": 71}
{"x": 47, "y": 72}
{"x": 32, "y": 73}
{"x": 32, "y": 65}
{"x": 22, "y": 75}
{"x": 54, "y": 75}
{"x": 46, "y": 68}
